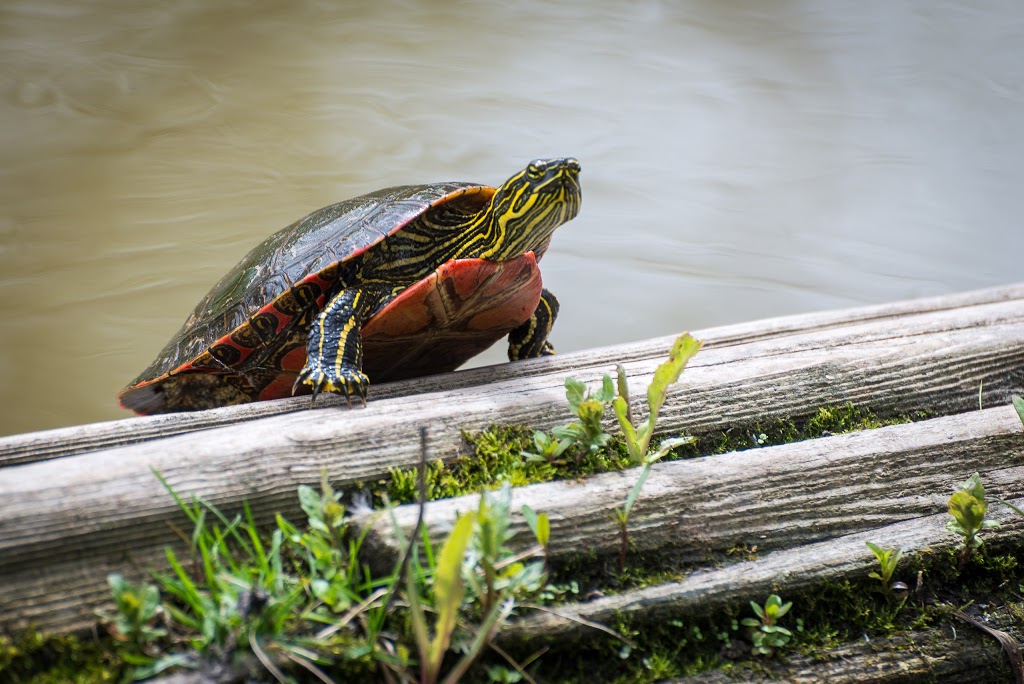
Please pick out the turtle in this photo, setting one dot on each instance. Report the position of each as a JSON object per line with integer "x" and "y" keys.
{"x": 403, "y": 282}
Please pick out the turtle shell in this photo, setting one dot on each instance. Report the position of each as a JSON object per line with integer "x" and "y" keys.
{"x": 245, "y": 340}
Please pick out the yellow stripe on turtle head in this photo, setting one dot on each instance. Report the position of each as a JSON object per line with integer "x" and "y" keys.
{"x": 530, "y": 205}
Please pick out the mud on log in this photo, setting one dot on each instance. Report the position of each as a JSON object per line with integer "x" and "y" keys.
{"x": 66, "y": 522}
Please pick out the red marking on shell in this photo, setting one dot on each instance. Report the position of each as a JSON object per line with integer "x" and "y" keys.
{"x": 344, "y": 244}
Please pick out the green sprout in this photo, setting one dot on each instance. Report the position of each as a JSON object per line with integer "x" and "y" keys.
{"x": 500, "y": 674}
{"x": 475, "y": 567}
{"x": 887, "y": 560}
{"x": 138, "y": 607}
{"x": 968, "y": 508}
{"x": 589, "y": 408}
{"x": 134, "y": 625}
{"x": 638, "y": 438}
{"x": 302, "y": 603}
{"x": 765, "y": 633}
{"x": 586, "y": 433}
{"x": 449, "y": 592}
{"x": 540, "y": 525}
{"x": 547, "y": 448}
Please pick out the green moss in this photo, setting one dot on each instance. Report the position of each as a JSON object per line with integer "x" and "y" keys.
{"x": 831, "y": 614}
{"x": 31, "y": 656}
{"x": 826, "y": 421}
{"x": 495, "y": 455}
{"x": 673, "y": 645}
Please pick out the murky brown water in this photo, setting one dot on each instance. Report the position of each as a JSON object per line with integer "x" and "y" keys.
{"x": 739, "y": 160}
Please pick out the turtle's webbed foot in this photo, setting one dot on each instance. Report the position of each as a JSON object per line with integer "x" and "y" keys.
{"x": 349, "y": 382}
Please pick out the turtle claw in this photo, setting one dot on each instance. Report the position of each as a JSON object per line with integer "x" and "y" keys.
{"x": 350, "y": 382}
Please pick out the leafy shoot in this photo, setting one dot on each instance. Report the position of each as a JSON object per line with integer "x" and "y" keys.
{"x": 887, "y": 560}
{"x": 766, "y": 634}
{"x": 968, "y": 509}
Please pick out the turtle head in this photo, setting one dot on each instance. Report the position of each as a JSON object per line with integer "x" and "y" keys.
{"x": 527, "y": 208}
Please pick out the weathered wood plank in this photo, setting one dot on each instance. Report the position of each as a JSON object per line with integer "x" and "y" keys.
{"x": 48, "y": 444}
{"x": 71, "y": 516}
{"x": 933, "y": 655}
{"x": 692, "y": 508}
{"x": 786, "y": 571}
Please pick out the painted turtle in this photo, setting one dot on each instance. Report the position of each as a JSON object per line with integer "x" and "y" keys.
{"x": 402, "y": 282}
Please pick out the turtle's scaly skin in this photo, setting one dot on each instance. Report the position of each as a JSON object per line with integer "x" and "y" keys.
{"x": 424, "y": 277}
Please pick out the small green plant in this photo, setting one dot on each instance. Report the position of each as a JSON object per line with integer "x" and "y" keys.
{"x": 138, "y": 607}
{"x": 968, "y": 509}
{"x": 302, "y": 603}
{"x": 1018, "y": 403}
{"x": 638, "y": 438}
{"x": 503, "y": 675}
{"x": 589, "y": 407}
{"x": 766, "y": 635}
{"x": 499, "y": 576}
{"x": 449, "y": 591}
{"x": 547, "y": 448}
{"x": 540, "y": 525}
{"x": 324, "y": 542}
{"x": 887, "y": 561}
{"x": 134, "y": 625}
{"x": 586, "y": 433}
{"x": 474, "y": 568}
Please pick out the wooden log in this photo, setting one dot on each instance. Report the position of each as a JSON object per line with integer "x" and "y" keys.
{"x": 65, "y": 522}
{"x": 932, "y": 655}
{"x": 692, "y": 509}
{"x": 48, "y": 444}
{"x": 786, "y": 572}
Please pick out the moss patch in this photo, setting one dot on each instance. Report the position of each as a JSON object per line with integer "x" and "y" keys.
{"x": 496, "y": 454}
{"x": 827, "y": 616}
{"x": 30, "y": 656}
{"x": 674, "y": 645}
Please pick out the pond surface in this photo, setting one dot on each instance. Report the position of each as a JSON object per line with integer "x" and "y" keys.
{"x": 740, "y": 159}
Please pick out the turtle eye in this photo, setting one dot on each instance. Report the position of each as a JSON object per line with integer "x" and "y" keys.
{"x": 535, "y": 169}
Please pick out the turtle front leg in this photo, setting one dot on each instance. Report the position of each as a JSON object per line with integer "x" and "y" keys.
{"x": 334, "y": 348}
{"x": 530, "y": 339}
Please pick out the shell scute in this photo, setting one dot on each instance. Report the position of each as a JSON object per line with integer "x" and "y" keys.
{"x": 283, "y": 276}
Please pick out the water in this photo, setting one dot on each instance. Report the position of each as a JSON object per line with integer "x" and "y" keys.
{"x": 740, "y": 159}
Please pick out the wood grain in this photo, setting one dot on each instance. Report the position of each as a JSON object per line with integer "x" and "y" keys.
{"x": 48, "y": 444}
{"x": 65, "y": 522}
{"x": 787, "y": 570}
{"x": 933, "y": 655}
{"x": 772, "y": 498}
